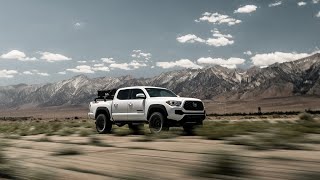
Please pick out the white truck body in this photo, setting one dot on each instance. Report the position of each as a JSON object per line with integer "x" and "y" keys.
{"x": 127, "y": 108}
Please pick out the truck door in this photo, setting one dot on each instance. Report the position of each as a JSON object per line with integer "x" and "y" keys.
{"x": 136, "y": 106}
{"x": 120, "y": 105}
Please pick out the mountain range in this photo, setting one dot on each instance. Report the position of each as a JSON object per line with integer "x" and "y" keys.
{"x": 295, "y": 78}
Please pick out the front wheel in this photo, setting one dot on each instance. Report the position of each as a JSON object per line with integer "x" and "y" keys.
{"x": 157, "y": 123}
{"x": 103, "y": 124}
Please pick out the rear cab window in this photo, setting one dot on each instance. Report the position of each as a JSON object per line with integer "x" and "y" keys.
{"x": 123, "y": 94}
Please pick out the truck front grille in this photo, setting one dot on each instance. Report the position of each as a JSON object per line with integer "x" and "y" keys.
{"x": 193, "y": 105}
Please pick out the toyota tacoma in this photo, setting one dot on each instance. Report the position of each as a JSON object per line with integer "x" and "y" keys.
{"x": 135, "y": 106}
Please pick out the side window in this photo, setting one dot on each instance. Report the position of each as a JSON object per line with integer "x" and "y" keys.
{"x": 123, "y": 94}
{"x": 134, "y": 92}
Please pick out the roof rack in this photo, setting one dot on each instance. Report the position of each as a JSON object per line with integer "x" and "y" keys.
{"x": 105, "y": 94}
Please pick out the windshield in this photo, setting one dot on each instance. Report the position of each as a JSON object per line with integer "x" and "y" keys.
{"x": 155, "y": 92}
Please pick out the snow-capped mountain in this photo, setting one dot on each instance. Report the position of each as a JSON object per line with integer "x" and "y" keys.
{"x": 300, "y": 77}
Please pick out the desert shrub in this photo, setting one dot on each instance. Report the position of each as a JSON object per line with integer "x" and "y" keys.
{"x": 276, "y": 116}
{"x": 307, "y": 175}
{"x": 222, "y": 164}
{"x": 97, "y": 142}
{"x": 306, "y": 117}
{"x": 276, "y": 138}
{"x": 13, "y": 136}
{"x": 222, "y": 130}
{"x": 7, "y": 168}
{"x": 43, "y": 139}
{"x": 65, "y": 131}
{"x": 85, "y": 132}
{"x": 67, "y": 151}
{"x": 10, "y": 169}
{"x": 26, "y": 128}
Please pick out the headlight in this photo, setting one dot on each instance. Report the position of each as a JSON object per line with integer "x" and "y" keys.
{"x": 174, "y": 103}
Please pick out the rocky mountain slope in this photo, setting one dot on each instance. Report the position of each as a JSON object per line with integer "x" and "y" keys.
{"x": 300, "y": 77}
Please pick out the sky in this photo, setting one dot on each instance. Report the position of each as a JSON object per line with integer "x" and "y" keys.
{"x": 44, "y": 41}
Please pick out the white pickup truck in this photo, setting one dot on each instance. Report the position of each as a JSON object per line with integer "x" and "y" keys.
{"x": 135, "y": 106}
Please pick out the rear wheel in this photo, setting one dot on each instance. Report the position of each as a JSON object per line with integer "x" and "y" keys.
{"x": 157, "y": 123}
{"x": 103, "y": 124}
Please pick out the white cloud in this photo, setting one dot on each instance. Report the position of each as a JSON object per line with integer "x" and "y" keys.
{"x": 217, "y": 33}
{"x": 35, "y": 72}
{"x": 318, "y": 14}
{"x": 249, "y": 53}
{"x": 78, "y": 25}
{"x": 218, "y": 39}
{"x": 189, "y": 38}
{"x": 82, "y": 62}
{"x": 98, "y": 65}
{"x": 7, "y": 73}
{"x": 229, "y": 63}
{"x": 217, "y": 18}
{"x": 43, "y": 74}
{"x": 278, "y": 3}
{"x": 52, "y": 57}
{"x": 246, "y": 9}
{"x": 123, "y": 66}
{"x": 302, "y": 3}
{"x": 217, "y": 42}
{"x": 136, "y": 65}
{"x": 81, "y": 69}
{"x": 101, "y": 68}
{"x": 27, "y": 72}
{"x": 185, "y": 63}
{"x": 62, "y": 72}
{"x": 107, "y": 60}
{"x": 18, "y": 55}
{"x": 141, "y": 55}
{"x": 315, "y": 1}
{"x": 276, "y": 57}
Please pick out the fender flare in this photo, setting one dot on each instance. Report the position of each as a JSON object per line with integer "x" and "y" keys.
{"x": 103, "y": 110}
{"x": 157, "y": 106}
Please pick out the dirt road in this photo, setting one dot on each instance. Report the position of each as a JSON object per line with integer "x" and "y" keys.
{"x": 177, "y": 158}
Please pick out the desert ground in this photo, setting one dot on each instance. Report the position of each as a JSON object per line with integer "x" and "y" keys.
{"x": 226, "y": 149}
{"x": 61, "y": 143}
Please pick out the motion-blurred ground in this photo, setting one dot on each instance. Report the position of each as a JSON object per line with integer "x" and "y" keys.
{"x": 245, "y": 149}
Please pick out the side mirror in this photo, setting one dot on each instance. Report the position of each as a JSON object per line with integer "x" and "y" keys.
{"x": 140, "y": 96}
{"x": 178, "y": 96}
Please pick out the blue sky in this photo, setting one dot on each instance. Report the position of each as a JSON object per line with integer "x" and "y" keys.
{"x": 45, "y": 41}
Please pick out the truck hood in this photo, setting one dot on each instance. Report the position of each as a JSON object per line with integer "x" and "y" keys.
{"x": 176, "y": 98}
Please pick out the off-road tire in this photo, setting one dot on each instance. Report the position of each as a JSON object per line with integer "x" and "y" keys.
{"x": 103, "y": 124}
{"x": 157, "y": 123}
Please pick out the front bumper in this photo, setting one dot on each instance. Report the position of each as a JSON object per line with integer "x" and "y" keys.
{"x": 192, "y": 119}
{"x": 180, "y": 114}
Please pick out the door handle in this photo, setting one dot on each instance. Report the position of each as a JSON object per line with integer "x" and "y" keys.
{"x": 115, "y": 105}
